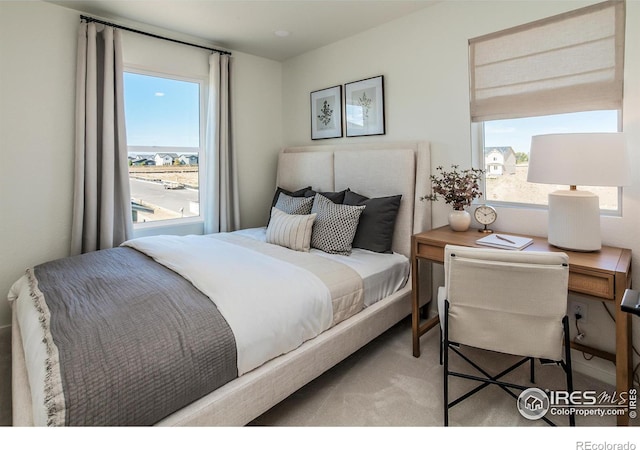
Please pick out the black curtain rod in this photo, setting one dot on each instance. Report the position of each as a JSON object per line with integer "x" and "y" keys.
{"x": 92, "y": 19}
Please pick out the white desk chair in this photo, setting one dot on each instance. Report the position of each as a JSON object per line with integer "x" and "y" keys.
{"x": 506, "y": 301}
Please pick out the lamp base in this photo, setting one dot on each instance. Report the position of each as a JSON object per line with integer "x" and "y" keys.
{"x": 574, "y": 220}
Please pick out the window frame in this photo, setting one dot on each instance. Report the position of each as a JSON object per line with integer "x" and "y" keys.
{"x": 499, "y": 88}
{"x": 183, "y": 225}
{"x": 477, "y": 148}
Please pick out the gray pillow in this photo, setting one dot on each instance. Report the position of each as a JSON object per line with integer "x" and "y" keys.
{"x": 294, "y": 205}
{"x": 298, "y": 193}
{"x": 377, "y": 222}
{"x": 335, "y": 225}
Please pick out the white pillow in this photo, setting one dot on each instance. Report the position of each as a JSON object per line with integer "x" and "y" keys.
{"x": 289, "y": 230}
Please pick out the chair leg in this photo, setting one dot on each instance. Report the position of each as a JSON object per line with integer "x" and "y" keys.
{"x": 444, "y": 349}
{"x": 533, "y": 372}
{"x": 567, "y": 365}
{"x": 441, "y": 345}
{"x": 444, "y": 359}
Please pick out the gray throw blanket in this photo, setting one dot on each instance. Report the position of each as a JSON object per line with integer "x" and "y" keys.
{"x": 129, "y": 341}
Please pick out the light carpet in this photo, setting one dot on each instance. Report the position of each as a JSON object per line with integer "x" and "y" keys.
{"x": 384, "y": 385}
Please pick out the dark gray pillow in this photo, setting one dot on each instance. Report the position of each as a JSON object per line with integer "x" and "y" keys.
{"x": 335, "y": 197}
{"x": 298, "y": 193}
{"x": 377, "y": 222}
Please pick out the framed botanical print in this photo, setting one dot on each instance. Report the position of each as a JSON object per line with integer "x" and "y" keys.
{"x": 326, "y": 113}
{"x": 364, "y": 107}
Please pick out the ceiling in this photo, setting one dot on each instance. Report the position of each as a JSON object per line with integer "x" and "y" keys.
{"x": 249, "y": 26}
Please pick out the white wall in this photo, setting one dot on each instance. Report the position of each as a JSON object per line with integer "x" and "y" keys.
{"x": 257, "y": 121}
{"x": 37, "y": 58}
{"x": 37, "y": 78}
{"x": 424, "y": 59}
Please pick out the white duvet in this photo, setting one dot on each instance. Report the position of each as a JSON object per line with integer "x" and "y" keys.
{"x": 271, "y": 306}
{"x": 382, "y": 273}
{"x": 264, "y": 326}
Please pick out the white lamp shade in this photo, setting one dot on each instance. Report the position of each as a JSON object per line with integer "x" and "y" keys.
{"x": 579, "y": 159}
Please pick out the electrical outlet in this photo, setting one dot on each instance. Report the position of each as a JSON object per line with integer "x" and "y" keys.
{"x": 578, "y": 308}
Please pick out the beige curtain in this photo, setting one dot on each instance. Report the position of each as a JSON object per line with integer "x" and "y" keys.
{"x": 565, "y": 63}
{"x": 102, "y": 203}
{"x": 220, "y": 194}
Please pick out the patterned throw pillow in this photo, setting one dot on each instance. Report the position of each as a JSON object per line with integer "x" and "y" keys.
{"x": 294, "y": 205}
{"x": 291, "y": 231}
{"x": 335, "y": 225}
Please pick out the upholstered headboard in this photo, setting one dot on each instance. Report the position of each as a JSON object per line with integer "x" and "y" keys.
{"x": 370, "y": 169}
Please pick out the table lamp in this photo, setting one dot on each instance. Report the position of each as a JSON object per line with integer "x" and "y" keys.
{"x": 577, "y": 159}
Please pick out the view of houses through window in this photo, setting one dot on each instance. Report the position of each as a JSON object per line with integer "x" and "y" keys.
{"x": 164, "y": 139}
{"x": 163, "y": 186}
{"x": 506, "y": 155}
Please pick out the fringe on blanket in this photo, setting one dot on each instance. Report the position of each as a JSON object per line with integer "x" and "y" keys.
{"x": 54, "y": 396}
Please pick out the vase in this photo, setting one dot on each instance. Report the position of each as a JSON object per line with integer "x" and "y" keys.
{"x": 459, "y": 220}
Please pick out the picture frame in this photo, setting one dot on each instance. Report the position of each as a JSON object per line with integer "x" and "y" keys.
{"x": 326, "y": 113}
{"x": 364, "y": 107}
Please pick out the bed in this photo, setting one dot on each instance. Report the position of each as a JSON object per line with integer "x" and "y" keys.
{"x": 374, "y": 170}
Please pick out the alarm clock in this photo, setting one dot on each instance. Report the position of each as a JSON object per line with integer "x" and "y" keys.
{"x": 485, "y": 215}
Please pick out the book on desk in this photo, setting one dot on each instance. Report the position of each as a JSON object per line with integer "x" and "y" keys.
{"x": 505, "y": 241}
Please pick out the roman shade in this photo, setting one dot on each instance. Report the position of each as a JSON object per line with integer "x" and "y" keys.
{"x": 565, "y": 63}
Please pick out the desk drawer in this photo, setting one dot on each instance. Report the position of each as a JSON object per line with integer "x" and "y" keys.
{"x": 430, "y": 252}
{"x": 592, "y": 283}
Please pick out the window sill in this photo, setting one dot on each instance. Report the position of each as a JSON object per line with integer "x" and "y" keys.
{"x": 181, "y": 227}
{"x": 535, "y": 207}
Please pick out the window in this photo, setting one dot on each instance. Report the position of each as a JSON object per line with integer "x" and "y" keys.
{"x": 165, "y": 143}
{"x": 509, "y": 141}
{"x": 562, "y": 74}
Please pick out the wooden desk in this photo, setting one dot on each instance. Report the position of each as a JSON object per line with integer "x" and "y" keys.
{"x": 603, "y": 275}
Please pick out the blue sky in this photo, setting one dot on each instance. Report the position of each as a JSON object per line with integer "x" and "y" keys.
{"x": 161, "y": 112}
{"x": 517, "y": 133}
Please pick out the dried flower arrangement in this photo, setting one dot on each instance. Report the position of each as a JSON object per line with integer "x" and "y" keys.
{"x": 457, "y": 187}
